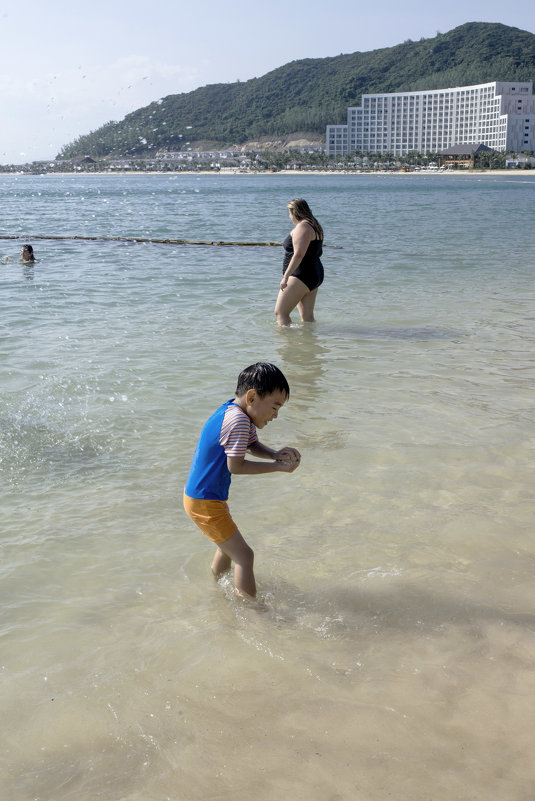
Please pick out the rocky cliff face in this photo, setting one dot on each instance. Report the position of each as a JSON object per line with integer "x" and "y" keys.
{"x": 298, "y": 139}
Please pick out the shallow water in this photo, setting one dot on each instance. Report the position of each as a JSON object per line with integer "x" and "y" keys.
{"x": 392, "y": 650}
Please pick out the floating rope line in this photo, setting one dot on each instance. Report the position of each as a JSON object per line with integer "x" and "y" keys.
{"x": 136, "y": 239}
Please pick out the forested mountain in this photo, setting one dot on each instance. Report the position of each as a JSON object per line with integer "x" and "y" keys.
{"x": 308, "y": 94}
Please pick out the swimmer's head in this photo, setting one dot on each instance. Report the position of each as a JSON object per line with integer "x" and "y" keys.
{"x": 26, "y": 253}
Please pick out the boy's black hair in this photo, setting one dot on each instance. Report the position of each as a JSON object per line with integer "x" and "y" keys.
{"x": 264, "y": 377}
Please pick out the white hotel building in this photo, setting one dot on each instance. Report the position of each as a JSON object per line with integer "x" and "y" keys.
{"x": 500, "y": 115}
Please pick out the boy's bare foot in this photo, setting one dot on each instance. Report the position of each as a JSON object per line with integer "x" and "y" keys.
{"x": 244, "y": 595}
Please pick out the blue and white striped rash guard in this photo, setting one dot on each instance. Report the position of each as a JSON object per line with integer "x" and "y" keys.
{"x": 228, "y": 432}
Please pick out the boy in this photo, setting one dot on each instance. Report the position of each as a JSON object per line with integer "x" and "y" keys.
{"x": 226, "y": 437}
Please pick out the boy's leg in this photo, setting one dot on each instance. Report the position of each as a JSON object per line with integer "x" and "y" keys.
{"x": 221, "y": 563}
{"x": 242, "y": 555}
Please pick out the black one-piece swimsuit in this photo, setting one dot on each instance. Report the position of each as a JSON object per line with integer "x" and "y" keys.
{"x": 310, "y": 271}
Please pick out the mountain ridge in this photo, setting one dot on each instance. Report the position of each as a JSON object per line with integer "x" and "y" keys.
{"x": 307, "y": 94}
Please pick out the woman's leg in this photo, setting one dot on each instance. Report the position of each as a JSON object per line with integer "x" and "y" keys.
{"x": 242, "y": 555}
{"x": 288, "y": 299}
{"x": 305, "y": 307}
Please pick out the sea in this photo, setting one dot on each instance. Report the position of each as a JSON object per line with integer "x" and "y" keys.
{"x": 391, "y": 653}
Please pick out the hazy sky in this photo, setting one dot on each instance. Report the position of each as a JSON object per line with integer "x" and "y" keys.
{"x": 67, "y": 68}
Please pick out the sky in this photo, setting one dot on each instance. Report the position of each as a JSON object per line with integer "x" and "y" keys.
{"x": 68, "y": 68}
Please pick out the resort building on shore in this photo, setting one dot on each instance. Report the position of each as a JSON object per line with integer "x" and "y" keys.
{"x": 500, "y": 115}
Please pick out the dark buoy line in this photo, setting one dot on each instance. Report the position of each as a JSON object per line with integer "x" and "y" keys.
{"x": 136, "y": 239}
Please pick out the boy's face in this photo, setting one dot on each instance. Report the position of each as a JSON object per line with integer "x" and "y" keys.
{"x": 262, "y": 410}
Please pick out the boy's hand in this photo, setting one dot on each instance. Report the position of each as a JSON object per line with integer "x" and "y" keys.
{"x": 290, "y": 456}
{"x": 287, "y": 467}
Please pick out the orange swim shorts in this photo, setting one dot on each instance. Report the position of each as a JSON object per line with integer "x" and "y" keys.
{"x": 212, "y": 517}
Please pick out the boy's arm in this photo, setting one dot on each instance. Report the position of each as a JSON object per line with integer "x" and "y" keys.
{"x": 239, "y": 465}
{"x": 286, "y": 454}
{"x": 262, "y": 451}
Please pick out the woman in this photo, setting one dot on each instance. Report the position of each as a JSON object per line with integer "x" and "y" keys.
{"x": 302, "y": 268}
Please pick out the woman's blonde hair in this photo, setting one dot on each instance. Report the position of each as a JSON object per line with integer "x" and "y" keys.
{"x": 300, "y": 210}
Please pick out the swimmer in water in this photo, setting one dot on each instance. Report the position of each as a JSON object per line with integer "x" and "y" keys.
{"x": 27, "y": 256}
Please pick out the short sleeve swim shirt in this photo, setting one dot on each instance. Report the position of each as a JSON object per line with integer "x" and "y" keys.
{"x": 228, "y": 432}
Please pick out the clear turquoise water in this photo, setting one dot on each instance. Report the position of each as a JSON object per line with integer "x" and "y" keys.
{"x": 393, "y": 651}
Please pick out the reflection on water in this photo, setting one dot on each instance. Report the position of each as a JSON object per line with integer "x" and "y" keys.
{"x": 302, "y": 354}
{"x": 383, "y": 332}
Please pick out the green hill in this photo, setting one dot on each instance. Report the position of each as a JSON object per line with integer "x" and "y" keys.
{"x": 308, "y": 94}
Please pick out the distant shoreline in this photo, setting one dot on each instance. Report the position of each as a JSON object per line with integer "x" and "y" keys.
{"x": 237, "y": 172}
